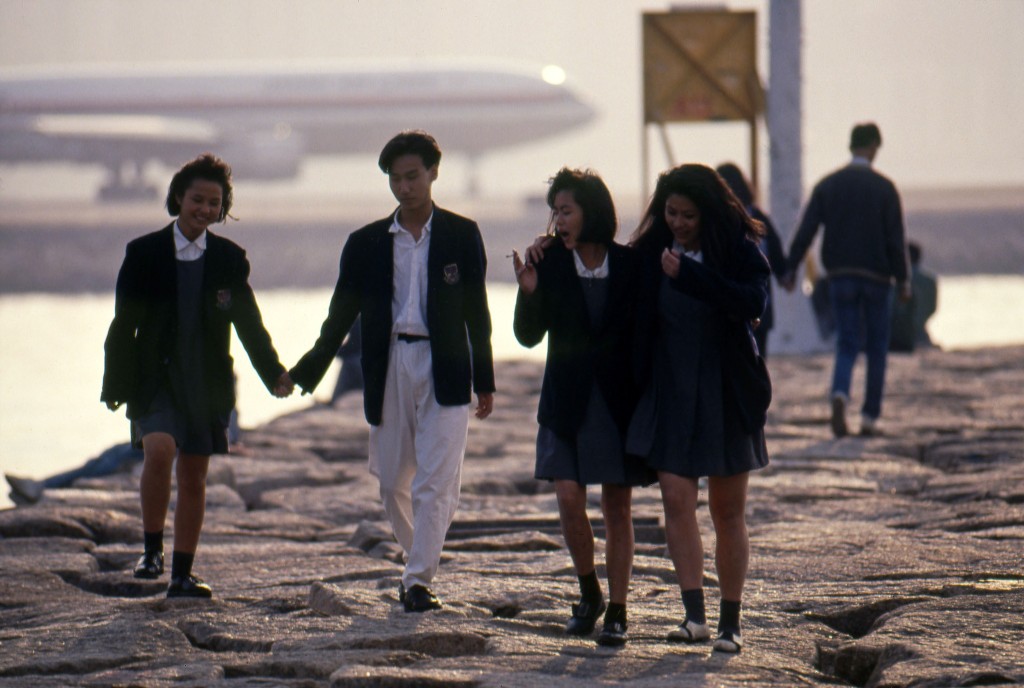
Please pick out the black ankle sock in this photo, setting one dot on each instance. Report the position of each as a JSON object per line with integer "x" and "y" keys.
{"x": 154, "y": 541}
{"x": 616, "y": 612}
{"x": 590, "y": 587}
{"x": 181, "y": 564}
{"x": 693, "y": 603}
{"x": 729, "y": 616}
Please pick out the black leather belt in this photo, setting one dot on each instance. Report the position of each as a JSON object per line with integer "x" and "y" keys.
{"x": 413, "y": 338}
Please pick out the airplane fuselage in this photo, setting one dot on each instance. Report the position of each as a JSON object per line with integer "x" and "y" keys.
{"x": 269, "y": 118}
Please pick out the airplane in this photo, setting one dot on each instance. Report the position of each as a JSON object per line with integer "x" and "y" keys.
{"x": 264, "y": 119}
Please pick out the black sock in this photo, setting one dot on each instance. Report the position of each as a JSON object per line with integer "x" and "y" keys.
{"x": 729, "y": 616}
{"x": 590, "y": 587}
{"x": 154, "y": 541}
{"x": 616, "y": 612}
{"x": 181, "y": 564}
{"x": 693, "y": 603}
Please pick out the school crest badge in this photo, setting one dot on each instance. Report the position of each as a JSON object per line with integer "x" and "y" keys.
{"x": 451, "y": 273}
{"x": 224, "y": 299}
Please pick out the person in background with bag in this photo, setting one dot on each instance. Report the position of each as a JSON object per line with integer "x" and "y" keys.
{"x": 581, "y": 296}
{"x": 864, "y": 252}
{"x": 706, "y": 389}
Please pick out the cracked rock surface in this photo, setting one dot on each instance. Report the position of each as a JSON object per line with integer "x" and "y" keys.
{"x": 886, "y": 561}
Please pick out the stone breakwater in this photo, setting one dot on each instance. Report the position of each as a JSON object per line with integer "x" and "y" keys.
{"x": 889, "y": 561}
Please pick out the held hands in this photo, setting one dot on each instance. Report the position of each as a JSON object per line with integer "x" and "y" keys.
{"x": 905, "y": 292}
{"x": 284, "y": 386}
{"x": 788, "y": 281}
{"x": 670, "y": 261}
{"x": 484, "y": 405}
{"x": 526, "y": 274}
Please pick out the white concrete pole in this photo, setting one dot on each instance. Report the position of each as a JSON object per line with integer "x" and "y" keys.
{"x": 795, "y": 329}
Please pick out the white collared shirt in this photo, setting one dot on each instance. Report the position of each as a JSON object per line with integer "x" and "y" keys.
{"x": 600, "y": 272}
{"x": 409, "y": 286}
{"x": 185, "y": 250}
{"x": 858, "y": 160}
{"x": 697, "y": 255}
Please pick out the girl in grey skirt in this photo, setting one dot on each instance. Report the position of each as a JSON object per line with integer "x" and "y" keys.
{"x": 705, "y": 282}
{"x": 179, "y": 292}
{"x": 580, "y": 293}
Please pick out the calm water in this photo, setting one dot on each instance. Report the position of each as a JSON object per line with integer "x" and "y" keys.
{"x": 51, "y": 347}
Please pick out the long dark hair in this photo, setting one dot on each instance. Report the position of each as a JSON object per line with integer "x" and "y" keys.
{"x": 723, "y": 220}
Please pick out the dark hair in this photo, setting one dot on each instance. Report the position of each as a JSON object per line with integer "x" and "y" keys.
{"x": 914, "y": 249}
{"x": 723, "y": 220}
{"x": 208, "y": 167}
{"x": 864, "y": 135}
{"x": 593, "y": 197}
{"x": 410, "y": 142}
{"x": 732, "y": 175}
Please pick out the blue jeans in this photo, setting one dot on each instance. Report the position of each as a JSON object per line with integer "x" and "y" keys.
{"x": 112, "y": 460}
{"x": 861, "y": 307}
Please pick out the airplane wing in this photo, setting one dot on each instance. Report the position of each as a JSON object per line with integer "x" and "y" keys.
{"x": 106, "y": 138}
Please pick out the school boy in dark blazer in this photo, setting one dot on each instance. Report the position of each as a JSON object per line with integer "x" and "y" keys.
{"x": 416, "y": 278}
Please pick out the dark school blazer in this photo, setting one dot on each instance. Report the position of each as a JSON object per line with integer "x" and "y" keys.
{"x": 577, "y": 353}
{"x": 737, "y": 292}
{"x": 458, "y": 319}
{"x": 142, "y": 336}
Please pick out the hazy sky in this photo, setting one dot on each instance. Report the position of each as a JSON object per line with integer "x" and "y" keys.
{"x": 942, "y": 78}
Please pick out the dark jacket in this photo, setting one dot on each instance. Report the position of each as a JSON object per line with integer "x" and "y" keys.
{"x": 577, "y": 353}
{"x": 457, "y": 315}
{"x": 863, "y": 221}
{"x": 737, "y": 291}
{"x": 772, "y": 248}
{"x": 141, "y": 339}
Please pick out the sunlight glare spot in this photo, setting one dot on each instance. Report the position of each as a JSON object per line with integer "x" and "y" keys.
{"x": 553, "y": 74}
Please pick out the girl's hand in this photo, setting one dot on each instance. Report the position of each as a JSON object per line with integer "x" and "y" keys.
{"x": 535, "y": 251}
{"x": 670, "y": 263}
{"x": 526, "y": 274}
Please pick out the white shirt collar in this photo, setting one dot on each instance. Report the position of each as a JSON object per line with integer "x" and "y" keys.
{"x": 858, "y": 160}
{"x": 397, "y": 227}
{"x": 189, "y": 249}
{"x": 600, "y": 272}
{"x": 697, "y": 255}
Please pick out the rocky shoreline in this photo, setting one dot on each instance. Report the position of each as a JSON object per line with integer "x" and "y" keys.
{"x": 889, "y": 561}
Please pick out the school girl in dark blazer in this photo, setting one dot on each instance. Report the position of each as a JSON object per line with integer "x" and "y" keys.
{"x": 168, "y": 358}
{"x": 581, "y": 295}
{"x": 705, "y": 281}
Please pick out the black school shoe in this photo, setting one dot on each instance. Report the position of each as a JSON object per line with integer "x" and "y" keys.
{"x": 613, "y": 634}
{"x": 419, "y": 598}
{"x": 150, "y": 565}
{"x": 189, "y": 586}
{"x": 584, "y": 617}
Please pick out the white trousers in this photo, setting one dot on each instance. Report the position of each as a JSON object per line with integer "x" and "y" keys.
{"x": 416, "y": 453}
